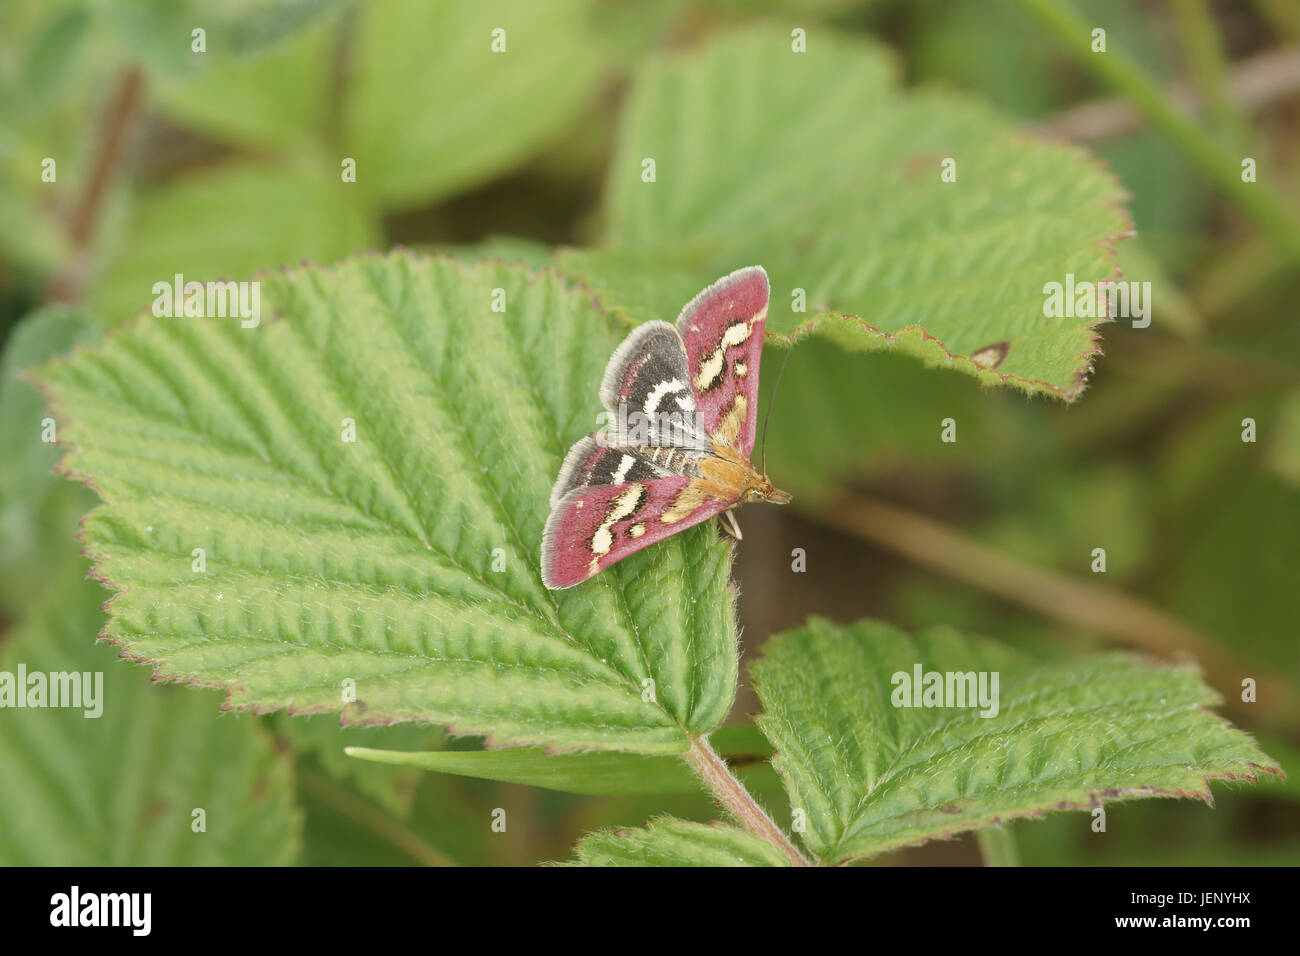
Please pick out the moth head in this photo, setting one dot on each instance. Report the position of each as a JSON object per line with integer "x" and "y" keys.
{"x": 760, "y": 489}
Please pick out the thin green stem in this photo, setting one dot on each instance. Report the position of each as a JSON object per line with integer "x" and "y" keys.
{"x": 731, "y": 793}
{"x": 1208, "y": 67}
{"x": 998, "y": 846}
{"x": 1256, "y": 199}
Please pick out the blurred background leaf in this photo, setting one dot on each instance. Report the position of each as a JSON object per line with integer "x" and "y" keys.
{"x": 432, "y": 109}
{"x": 277, "y": 97}
{"x": 254, "y": 218}
{"x": 160, "y": 32}
{"x": 39, "y": 512}
{"x": 121, "y": 789}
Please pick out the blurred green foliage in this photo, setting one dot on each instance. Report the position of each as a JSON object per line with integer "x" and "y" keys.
{"x": 229, "y": 163}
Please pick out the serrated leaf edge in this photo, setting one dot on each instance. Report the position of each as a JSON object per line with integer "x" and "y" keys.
{"x": 234, "y": 689}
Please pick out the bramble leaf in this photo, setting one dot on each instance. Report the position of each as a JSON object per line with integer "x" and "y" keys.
{"x": 871, "y": 776}
{"x": 666, "y": 841}
{"x": 816, "y": 165}
{"x": 121, "y": 789}
{"x": 367, "y": 474}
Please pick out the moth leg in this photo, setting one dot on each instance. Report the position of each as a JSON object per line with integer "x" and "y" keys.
{"x": 727, "y": 521}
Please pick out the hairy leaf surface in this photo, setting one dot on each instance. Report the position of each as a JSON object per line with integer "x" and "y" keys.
{"x": 121, "y": 789}
{"x": 818, "y": 167}
{"x": 666, "y": 841}
{"x": 394, "y": 576}
{"x": 872, "y": 776}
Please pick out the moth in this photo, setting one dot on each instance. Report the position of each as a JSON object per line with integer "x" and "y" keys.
{"x": 682, "y": 404}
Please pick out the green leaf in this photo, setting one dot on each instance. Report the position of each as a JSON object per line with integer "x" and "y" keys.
{"x": 28, "y": 459}
{"x": 275, "y": 97}
{"x": 871, "y": 776}
{"x": 432, "y": 109}
{"x": 597, "y": 774}
{"x": 372, "y": 561}
{"x": 51, "y": 56}
{"x": 120, "y": 789}
{"x": 227, "y": 223}
{"x": 38, "y": 512}
{"x": 160, "y": 32}
{"x": 670, "y": 842}
{"x": 816, "y": 166}
{"x": 1283, "y": 453}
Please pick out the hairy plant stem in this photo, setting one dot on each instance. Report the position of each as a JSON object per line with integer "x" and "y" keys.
{"x": 731, "y": 793}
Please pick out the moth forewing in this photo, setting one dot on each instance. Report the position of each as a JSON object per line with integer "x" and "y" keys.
{"x": 683, "y": 399}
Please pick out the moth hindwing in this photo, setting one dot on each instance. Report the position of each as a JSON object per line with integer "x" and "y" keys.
{"x": 681, "y": 404}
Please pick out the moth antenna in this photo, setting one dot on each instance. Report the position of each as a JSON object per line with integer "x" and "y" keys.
{"x": 772, "y": 401}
